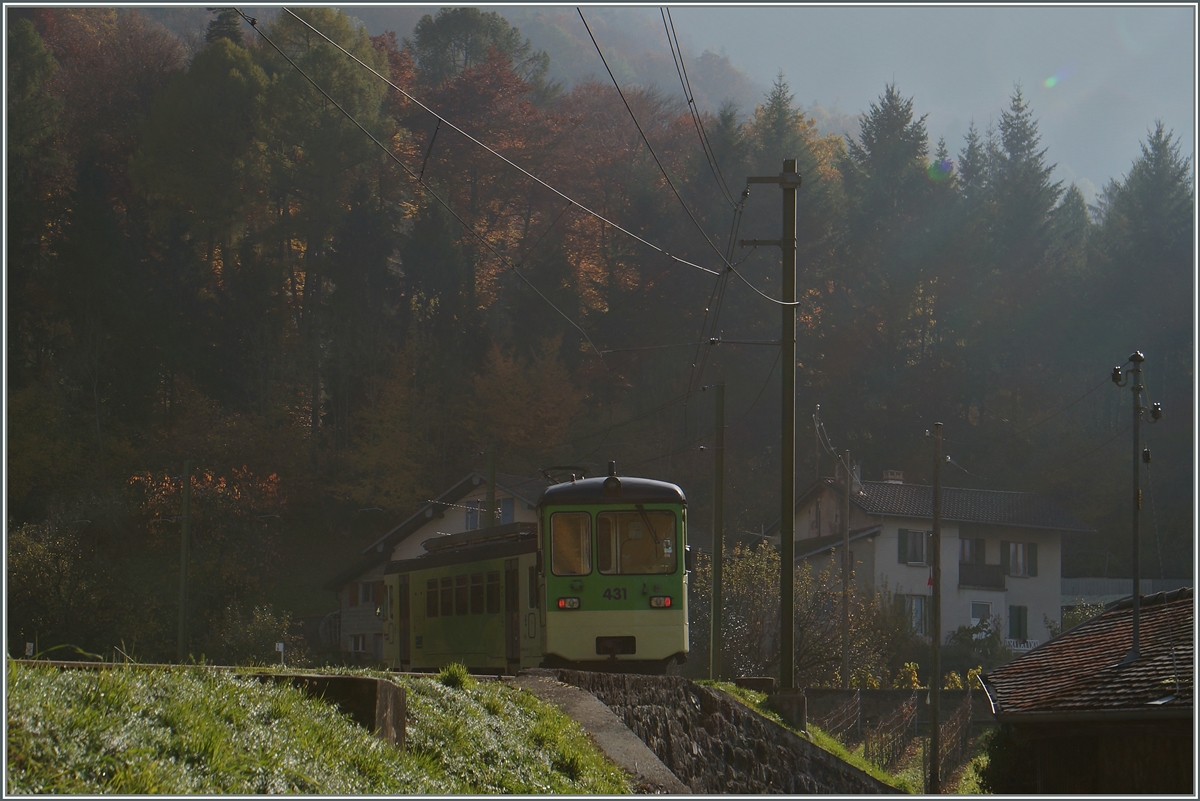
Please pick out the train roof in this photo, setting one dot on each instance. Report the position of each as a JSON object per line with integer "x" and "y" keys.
{"x": 520, "y": 538}
{"x": 625, "y": 489}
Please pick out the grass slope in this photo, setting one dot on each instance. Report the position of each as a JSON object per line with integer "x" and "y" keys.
{"x": 193, "y": 730}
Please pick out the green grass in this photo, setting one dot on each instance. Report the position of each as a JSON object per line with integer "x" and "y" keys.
{"x": 758, "y": 702}
{"x": 135, "y": 731}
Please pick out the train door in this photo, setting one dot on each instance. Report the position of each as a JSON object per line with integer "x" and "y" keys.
{"x": 512, "y": 613}
{"x": 531, "y": 625}
{"x": 402, "y": 621}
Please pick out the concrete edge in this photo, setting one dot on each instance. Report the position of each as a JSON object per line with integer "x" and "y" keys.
{"x": 607, "y": 731}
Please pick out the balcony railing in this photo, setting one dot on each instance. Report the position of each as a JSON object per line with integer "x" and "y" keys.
{"x": 984, "y": 577}
{"x": 1021, "y": 645}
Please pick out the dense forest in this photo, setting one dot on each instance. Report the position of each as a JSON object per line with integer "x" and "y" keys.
{"x": 331, "y": 276}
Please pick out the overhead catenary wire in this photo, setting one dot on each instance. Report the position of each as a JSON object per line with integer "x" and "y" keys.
{"x": 725, "y": 260}
{"x": 254, "y": 24}
{"x": 442, "y": 120}
{"x": 697, "y": 120}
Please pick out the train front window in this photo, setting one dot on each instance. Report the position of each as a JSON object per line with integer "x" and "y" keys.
{"x": 636, "y": 542}
{"x": 571, "y": 543}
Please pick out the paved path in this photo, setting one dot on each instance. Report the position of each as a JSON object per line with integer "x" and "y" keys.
{"x": 608, "y": 731}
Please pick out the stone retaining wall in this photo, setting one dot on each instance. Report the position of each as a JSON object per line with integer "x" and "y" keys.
{"x": 715, "y": 744}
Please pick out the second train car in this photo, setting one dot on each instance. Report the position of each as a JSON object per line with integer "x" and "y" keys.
{"x": 599, "y": 583}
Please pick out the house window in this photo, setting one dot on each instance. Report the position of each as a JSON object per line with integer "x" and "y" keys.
{"x": 917, "y": 609}
{"x": 365, "y": 592}
{"x": 571, "y": 543}
{"x": 493, "y": 592}
{"x": 1019, "y": 558}
{"x": 477, "y": 594}
{"x": 460, "y": 595}
{"x": 980, "y": 611}
{"x": 358, "y": 643}
{"x": 431, "y": 598}
{"x": 472, "y": 514}
{"x": 972, "y": 551}
{"x": 913, "y": 546}
{"x": 1018, "y": 623}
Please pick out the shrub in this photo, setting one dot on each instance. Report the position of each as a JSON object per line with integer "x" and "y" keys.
{"x": 456, "y": 675}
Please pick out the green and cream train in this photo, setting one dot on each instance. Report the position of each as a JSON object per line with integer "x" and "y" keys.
{"x": 598, "y": 583}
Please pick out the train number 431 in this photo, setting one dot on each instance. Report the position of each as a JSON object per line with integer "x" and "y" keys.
{"x": 615, "y": 594}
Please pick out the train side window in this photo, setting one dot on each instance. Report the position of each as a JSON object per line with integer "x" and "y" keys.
{"x": 493, "y": 592}
{"x": 643, "y": 542}
{"x": 533, "y": 587}
{"x": 447, "y": 597}
{"x": 431, "y": 598}
{"x": 460, "y": 595}
{"x": 571, "y": 543}
{"x": 476, "y": 593}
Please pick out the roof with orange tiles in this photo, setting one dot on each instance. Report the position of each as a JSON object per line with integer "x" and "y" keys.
{"x": 1082, "y": 674}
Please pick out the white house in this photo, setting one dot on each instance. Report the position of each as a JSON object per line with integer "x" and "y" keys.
{"x": 359, "y": 588}
{"x": 1001, "y": 552}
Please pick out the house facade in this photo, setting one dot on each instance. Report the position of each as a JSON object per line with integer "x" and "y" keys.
{"x": 356, "y": 626}
{"x": 1001, "y": 552}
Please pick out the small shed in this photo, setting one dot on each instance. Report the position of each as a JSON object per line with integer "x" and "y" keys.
{"x": 1085, "y": 717}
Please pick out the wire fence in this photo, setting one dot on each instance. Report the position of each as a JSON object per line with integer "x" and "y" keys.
{"x": 845, "y": 721}
{"x": 954, "y": 735}
{"x": 885, "y": 744}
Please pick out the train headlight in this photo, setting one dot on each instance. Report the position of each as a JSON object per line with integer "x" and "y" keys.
{"x": 568, "y": 603}
{"x": 660, "y": 601}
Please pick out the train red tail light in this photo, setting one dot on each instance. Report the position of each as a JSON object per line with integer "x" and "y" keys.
{"x": 660, "y": 601}
{"x": 568, "y": 603}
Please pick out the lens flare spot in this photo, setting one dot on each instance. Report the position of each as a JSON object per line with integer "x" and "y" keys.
{"x": 1060, "y": 76}
{"x": 939, "y": 171}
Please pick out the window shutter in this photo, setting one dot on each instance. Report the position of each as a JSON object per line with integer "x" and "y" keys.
{"x": 1032, "y": 558}
{"x": 1004, "y": 556}
{"x": 353, "y": 590}
{"x": 1014, "y": 622}
{"x": 902, "y": 546}
{"x": 981, "y": 551}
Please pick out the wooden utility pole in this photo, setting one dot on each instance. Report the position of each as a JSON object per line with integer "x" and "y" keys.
{"x": 846, "y": 574}
{"x": 935, "y": 683}
{"x": 789, "y": 181}
{"x": 185, "y": 542}
{"x": 718, "y": 538}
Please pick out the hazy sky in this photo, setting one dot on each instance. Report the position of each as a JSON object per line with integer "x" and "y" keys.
{"x": 1096, "y": 77}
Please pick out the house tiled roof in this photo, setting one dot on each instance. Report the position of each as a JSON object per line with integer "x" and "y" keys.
{"x": 1022, "y": 509}
{"x": 524, "y": 488}
{"x": 811, "y": 546}
{"x": 1080, "y": 674}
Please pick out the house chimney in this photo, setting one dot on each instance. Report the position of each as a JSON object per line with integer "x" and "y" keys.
{"x": 893, "y": 476}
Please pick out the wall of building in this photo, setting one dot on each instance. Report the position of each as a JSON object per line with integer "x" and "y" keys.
{"x": 453, "y": 520}
{"x": 360, "y": 619}
{"x": 1039, "y": 594}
